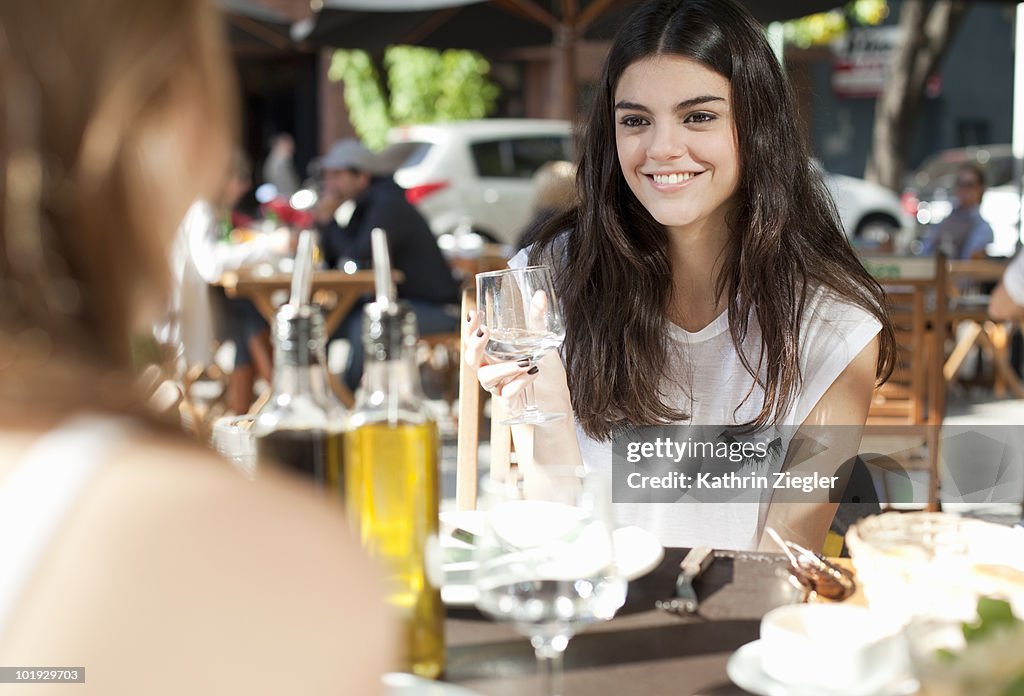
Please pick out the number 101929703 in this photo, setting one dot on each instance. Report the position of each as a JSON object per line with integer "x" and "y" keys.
{"x": 39, "y": 675}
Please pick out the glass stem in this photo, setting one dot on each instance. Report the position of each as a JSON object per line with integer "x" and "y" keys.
{"x": 529, "y": 399}
{"x": 549, "y": 653}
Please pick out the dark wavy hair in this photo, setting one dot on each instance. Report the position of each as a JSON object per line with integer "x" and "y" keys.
{"x": 614, "y": 275}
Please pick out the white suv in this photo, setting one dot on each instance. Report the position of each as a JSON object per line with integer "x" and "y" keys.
{"x": 476, "y": 172}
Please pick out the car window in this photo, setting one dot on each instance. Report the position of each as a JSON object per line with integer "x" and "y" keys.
{"x": 517, "y": 158}
{"x": 404, "y": 154}
{"x": 940, "y": 170}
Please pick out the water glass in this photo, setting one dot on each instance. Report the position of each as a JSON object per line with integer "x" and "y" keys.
{"x": 546, "y": 560}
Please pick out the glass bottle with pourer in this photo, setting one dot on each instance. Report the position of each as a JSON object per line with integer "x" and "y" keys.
{"x": 301, "y": 427}
{"x": 392, "y": 480}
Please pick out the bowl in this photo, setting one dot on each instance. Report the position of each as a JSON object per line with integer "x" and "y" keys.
{"x": 927, "y": 564}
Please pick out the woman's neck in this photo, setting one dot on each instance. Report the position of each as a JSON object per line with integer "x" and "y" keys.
{"x": 697, "y": 257}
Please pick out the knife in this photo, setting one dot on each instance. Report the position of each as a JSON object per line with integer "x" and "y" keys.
{"x": 696, "y": 562}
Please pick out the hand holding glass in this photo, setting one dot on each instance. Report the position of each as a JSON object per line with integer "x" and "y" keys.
{"x": 521, "y": 312}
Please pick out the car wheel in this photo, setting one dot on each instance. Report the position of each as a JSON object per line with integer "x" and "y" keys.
{"x": 876, "y": 231}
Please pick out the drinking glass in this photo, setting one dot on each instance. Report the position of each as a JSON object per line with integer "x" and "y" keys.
{"x": 545, "y": 560}
{"x": 521, "y": 311}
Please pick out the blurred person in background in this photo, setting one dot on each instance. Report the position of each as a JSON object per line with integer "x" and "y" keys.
{"x": 279, "y": 167}
{"x": 554, "y": 192}
{"x": 127, "y": 548}
{"x": 208, "y": 244}
{"x": 427, "y": 284}
{"x": 964, "y": 234}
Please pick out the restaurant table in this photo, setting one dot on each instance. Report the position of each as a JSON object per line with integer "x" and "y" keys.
{"x": 642, "y": 650}
{"x": 336, "y": 291}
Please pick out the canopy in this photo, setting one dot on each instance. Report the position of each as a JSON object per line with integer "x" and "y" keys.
{"x": 493, "y": 27}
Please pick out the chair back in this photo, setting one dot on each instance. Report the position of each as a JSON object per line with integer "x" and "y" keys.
{"x": 912, "y": 403}
{"x": 916, "y": 297}
{"x": 470, "y": 417}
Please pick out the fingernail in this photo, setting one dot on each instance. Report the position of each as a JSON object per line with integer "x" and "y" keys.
{"x": 469, "y": 316}
{"x": 479, "y": 333}
{"x": 533, "y": 370}
{"x": 525, "y": 362}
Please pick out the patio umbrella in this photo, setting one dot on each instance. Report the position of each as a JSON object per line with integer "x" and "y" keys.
{"x": 493, "y": 27}
{"x": 253, "y": 28}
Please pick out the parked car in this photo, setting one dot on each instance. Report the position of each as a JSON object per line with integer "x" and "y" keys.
{"x": 928, "y": 195}
{"x": 476, "y": 172}
{"x": 871, "y": 214}
{"x": 479, "y": 173}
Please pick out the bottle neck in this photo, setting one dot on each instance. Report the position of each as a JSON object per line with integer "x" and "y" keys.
{"x": 304, "y": 377}
{"x": 391, "y": 381}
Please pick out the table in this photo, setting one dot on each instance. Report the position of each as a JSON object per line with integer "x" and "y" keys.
{"x": 642, "y": 650}
{"x": 336, "y": 291}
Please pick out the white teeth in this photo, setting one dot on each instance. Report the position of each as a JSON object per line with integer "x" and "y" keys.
{"x": 672, "y": 178}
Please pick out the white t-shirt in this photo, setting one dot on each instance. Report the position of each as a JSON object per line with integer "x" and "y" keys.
{"x": 705, "y": 364}
{"x": 198, "y": 258}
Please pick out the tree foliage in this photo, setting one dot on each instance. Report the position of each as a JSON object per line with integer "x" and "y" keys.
{"x": 825, "y": 27}
{"x": 423, "y": 86}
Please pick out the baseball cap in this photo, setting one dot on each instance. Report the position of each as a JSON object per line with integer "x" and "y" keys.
{"x": 347, "y": 154}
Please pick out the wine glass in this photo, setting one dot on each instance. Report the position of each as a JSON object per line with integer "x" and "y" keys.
{"x": 545, "y": 560}
{"x": 520, "y": 309}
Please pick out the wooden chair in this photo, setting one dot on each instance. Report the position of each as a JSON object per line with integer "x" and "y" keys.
{"x": 470, "y": 419}
{"x": 970, "y": 325}
{"x": 908, "y": 410}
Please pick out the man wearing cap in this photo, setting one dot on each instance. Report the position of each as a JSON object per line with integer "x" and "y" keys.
{"x": 350, "y": 173}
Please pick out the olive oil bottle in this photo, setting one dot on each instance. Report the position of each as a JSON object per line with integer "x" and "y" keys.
{"x": 392, "y": 488}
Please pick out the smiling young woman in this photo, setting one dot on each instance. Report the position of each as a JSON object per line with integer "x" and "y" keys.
{"x": 704, "y": 276}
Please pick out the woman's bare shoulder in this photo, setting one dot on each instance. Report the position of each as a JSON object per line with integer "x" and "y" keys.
{"x": 172, "y": 558}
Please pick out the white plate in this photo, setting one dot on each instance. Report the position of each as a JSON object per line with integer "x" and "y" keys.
{"x": 745, "y": 671}
{"x": 401, "y": 684}
{"x": 637, "y": 551}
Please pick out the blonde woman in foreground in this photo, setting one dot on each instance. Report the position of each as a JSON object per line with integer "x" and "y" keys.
{"x": 124, "y": 548}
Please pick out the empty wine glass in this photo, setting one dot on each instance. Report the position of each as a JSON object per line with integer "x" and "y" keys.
{"x": 521, "y": 311}
{"x": 546, "y": 560}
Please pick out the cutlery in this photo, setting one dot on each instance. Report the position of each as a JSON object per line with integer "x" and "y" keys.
{"x": 814, "y": 573}
{"x": 685, "y": 600}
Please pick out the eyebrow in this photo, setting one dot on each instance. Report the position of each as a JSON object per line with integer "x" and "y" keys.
{"x": 681, "y": 106}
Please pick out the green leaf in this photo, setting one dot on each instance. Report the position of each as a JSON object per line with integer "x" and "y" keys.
{"x": 993, "y": 615}
{"x": 425, "y": 86}
{"x": 824, "y": 27}
{"x": 1015, "y": 688}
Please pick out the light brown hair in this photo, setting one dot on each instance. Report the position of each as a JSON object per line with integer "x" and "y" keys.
{"x": 114, "y": 116}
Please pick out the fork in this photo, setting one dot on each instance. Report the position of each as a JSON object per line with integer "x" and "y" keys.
{"x": 685, "y": 601}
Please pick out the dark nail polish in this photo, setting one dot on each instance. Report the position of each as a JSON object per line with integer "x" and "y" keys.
{"x": 469, "y": 316}
{"x": 479, "y": 333}
{"x": 525, "y": 362}
{"x": 533, "y": 370}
